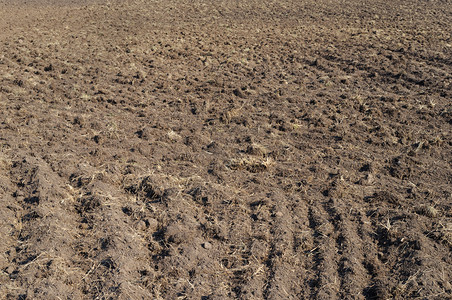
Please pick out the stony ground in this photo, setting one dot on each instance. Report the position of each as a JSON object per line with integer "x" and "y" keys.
{"x": 226, "y": 149}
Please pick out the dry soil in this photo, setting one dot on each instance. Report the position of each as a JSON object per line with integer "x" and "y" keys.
{"x": 269, "y": 149}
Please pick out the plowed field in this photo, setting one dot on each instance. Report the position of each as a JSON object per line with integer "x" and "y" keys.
{"x": 226, "y": 149}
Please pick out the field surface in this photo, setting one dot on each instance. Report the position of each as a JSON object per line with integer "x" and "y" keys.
{"x": 226, "y": 149}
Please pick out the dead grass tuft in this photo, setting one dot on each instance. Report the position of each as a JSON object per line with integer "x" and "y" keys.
{"x": 428, "y": 211}
{"x": 252, "y": 165}
{"x": 5, "y": 163}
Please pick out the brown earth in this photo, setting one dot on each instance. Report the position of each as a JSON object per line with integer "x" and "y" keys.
{"x": 226, "y": 149}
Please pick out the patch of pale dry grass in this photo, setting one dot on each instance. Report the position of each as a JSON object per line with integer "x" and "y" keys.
{"x": 253, "y": 165}
{"x": 5, "y": 163}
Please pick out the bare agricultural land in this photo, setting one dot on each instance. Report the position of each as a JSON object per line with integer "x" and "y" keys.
{"x": 225, "y": 149}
